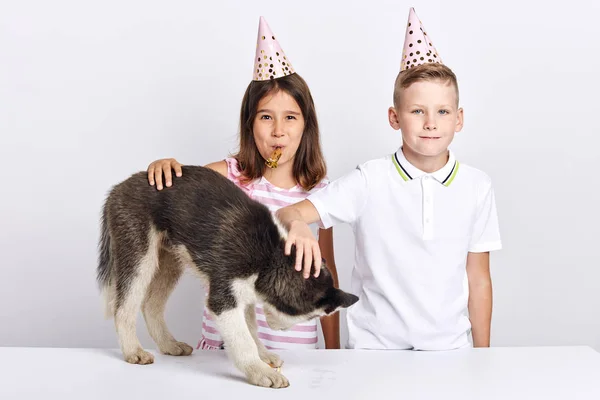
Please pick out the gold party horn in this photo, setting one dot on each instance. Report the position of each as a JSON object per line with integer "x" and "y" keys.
{"x": 275, "y": 156}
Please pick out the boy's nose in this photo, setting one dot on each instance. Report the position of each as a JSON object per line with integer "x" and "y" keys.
{"x": 430, "y": 126}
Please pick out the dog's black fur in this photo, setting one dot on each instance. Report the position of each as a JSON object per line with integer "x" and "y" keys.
{"x": 205, "y": 220}
{"x": 227, "y": 234}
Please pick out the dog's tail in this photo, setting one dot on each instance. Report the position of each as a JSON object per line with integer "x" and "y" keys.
{"x": 104, "y": 271}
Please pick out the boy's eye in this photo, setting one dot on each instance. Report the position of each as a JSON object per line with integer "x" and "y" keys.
{"x": 417, "y": 111}
{"x": 444, "y": 112}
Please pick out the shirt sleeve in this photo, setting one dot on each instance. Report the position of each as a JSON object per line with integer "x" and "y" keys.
{"x": 234, "y": 175}
{"x": 486, "y": 232}
{"x": 324, "y": 182}
{"x": 342, "y": 200}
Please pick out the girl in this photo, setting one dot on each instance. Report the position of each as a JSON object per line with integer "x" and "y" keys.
{"x": 277, "y": 113}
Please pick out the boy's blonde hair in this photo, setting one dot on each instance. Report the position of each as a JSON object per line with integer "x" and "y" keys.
{"x": 423, "y": 72}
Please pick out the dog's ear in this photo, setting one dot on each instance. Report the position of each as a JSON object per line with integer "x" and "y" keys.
{"x": 345, "y": 299}
{"x": 336, "y": 299}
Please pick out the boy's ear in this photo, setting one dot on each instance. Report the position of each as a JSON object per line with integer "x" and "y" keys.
{"x": 459, "y": 120}
{"x": 393, "y": 118}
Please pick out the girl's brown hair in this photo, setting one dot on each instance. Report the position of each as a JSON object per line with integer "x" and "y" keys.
{"x": 309, "y": 165}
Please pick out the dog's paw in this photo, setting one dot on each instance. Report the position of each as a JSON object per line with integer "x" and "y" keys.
{"x": 176, "y": 349}
{"x": 139, "y": 356}
{"x": 271, "y": 358}
{"x": 263, "y": 375}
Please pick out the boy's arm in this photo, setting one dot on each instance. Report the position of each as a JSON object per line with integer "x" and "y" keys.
{"x": 303, "y": 211}
{"x": 296, "y": 218}
{"x": 340, "y": 202}
{"x": 330, "y": 324}
{"x": 480, "y": 297}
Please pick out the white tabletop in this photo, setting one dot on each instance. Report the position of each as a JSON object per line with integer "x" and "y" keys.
{"x": 496, "y": 373}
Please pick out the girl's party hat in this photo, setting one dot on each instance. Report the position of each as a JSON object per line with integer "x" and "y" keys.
{"x": 270, "y": 61}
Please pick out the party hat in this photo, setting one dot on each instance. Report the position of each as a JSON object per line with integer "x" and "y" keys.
{"x": 418, "y": 47}
{"x": 270, "y": 61}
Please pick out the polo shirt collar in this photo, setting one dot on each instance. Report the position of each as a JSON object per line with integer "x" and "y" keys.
{"x": 407, "y": 171}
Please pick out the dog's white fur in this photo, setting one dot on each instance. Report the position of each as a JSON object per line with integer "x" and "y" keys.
{"x": 138, "y": 267}
{"x": 238, "y": 329}
{"x": 125, "y": 316}
{"x": 283, "y": 232}
{"x": 149, "y": 292}
{"x": 109, "y": 297}
{"x": 281, "y": 322}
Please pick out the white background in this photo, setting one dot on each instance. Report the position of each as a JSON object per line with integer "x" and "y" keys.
{"x": 91, "y": 92}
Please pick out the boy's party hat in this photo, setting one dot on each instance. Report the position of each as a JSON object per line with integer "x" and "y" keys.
{"x": 418, "y": 47}
{"x": 270, "y": 61}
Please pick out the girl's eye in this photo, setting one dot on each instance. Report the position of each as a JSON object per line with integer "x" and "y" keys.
{"x": 265, "y": 117}
{"x": 291, "y": 117}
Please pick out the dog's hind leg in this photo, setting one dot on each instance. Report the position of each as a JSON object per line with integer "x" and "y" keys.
{"x": 270, "y": 358}
{"x": 136, "y": 271}
{"x": 162, "y": 285}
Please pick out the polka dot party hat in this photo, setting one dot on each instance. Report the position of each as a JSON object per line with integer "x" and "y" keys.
{"x": 418, "y": 47}
{"x": 270, "y": 61}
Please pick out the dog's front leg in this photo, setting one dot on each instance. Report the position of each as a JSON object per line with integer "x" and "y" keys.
{"x": 270, "y": 358}
{"x": 242, "y": 349}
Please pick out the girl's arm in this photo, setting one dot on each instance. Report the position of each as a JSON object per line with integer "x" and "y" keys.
{"x": 164, "y": 167}
{"x": 219, "y": 166}
{"x": 330, "y": 324}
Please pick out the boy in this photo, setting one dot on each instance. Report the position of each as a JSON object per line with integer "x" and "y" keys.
{"x": 424, "y": 224}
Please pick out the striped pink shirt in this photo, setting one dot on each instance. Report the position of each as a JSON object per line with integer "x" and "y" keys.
{"x": 301, "y": 336}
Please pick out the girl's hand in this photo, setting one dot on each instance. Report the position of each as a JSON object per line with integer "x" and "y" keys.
{"x": 160, "y": 167}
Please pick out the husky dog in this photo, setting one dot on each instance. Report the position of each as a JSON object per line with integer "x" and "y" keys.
{"x": 233, "y": 243}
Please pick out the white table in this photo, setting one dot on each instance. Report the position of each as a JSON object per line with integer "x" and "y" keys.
{"x": 496, "y": 373}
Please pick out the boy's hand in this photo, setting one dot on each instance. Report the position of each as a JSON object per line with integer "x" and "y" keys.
{"x": 158, "y": 167}
{"x": 307, "y": 247}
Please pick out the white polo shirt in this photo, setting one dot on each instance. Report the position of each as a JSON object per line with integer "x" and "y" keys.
{"x": 413, "y": 231}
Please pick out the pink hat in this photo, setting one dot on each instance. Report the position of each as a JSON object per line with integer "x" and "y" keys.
{"x": 270, "y": 61}
{"x": 418, "y": 47}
